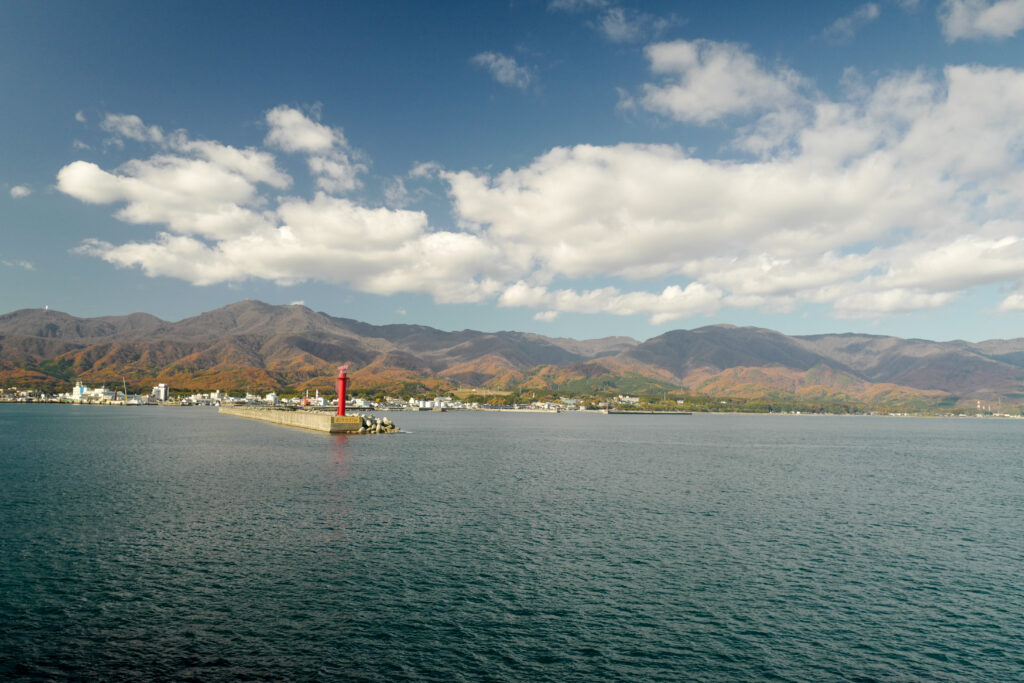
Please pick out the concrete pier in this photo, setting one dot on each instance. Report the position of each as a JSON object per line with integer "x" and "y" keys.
{"x": 646, "y": 412}
{"x": 303, "y": 419}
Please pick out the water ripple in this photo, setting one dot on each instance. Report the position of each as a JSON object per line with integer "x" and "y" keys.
{"x": 175, "y": 544}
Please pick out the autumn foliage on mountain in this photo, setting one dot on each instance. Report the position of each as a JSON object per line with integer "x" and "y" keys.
{"x": 258, "y": 347}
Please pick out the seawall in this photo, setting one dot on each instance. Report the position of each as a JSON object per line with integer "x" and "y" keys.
{"x": 646, "y": 412}
{"x": 306, "y": 419}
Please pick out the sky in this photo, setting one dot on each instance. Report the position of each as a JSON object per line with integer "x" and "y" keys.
{"x": 574, "y": 168}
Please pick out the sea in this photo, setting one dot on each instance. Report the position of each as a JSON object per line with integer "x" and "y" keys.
{"x": 165, "y": 543}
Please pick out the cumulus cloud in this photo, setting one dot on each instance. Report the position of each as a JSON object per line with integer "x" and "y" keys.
{"x": 330, "y": 158}
{"x": 293, "y": 131}
{"x": 504, "y": 70}
{"x": 220, "y": 222}
{"x": 980, "y": 19}
{"x": 897, "y": 197}
{"x": 649, "y": 210}
{"x": 845, "y": 28}
{"x": 190, "y": 196}
{"x": 330, "y": 239}
{"x": 858, "y": 209}
{"x": 20, "y": 191}
{"x": 1014, "y": 303}
{"x": 706, "y": 80}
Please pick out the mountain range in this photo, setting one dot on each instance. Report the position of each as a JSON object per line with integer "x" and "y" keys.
{"x": 257, "y": 346}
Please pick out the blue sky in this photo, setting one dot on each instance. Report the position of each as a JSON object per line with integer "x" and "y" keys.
{"x": 574, "y": 168}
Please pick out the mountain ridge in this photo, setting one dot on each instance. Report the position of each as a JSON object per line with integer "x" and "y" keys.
{"x": 254, "y": 344}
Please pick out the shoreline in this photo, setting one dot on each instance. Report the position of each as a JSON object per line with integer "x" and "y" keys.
{"x": 546, "y": 411}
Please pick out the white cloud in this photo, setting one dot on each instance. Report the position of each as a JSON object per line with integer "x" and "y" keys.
{"x": 398, "y": 196}
{"x": 981, "y": 18}
{"x": 25, "y": 265}
{"x": 253, "y": 165}
{"x": 395, "y": 193}
{"x": 329, "y": 157}
{"x": 576, "y": 5}
{"x": 889, "y": 302}
{"x": 425, "y": 170}
{"x": 858, "y": 208}
{"x": 707, "y": 80}
{"x": 504, "y": 70}
{"x": 642, "y": 211}
{"x": 80, "y": 116}
{"x": 190, "y": 196}
{"x": 328, "y": 239}
{"x": 844, "y": 28}
{"x": 622, "y": 26}
{"x": 672, "y": 303}
{"x": 615, "y": 22}
{"x": 1014, "y": 303}
{"x": 851, "y": 204}
{"x": 221, "y": 224}
{"x": 957, "y": 265}
{"x": 20, "y": 191}
{"x": 618, "y": 28}
{"x": 545, "y": 316}
{"x": 293, "y": 131}
{"x": 131, "y": 127}
{"x": 335, "y": 173}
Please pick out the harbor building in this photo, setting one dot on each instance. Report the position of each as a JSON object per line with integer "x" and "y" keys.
{"x": 161, "y": 392}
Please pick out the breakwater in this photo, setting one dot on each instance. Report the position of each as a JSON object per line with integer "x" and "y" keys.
{"x": 314, "y": 420}
{"x": 646, "y": 412}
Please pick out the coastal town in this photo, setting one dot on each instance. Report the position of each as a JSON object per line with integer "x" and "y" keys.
{"x": 161, "y": 394}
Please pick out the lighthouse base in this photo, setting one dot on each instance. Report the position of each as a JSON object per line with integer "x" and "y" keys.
{"x": 345, "y": 423}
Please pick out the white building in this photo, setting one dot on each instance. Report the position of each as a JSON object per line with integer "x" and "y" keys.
{"x": 161, "y": 392}
{"x": 81, "y": 393}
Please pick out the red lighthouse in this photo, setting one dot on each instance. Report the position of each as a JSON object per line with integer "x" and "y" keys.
{"x": 342, "y": 383}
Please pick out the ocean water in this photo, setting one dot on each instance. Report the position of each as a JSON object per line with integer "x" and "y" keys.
{"x": 178, "y": 544}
